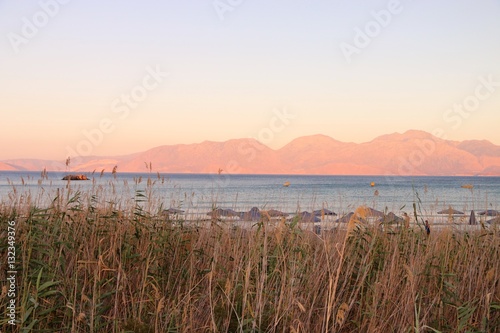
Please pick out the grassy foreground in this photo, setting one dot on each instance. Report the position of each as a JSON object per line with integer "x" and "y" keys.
{"x": 87, "y": 269}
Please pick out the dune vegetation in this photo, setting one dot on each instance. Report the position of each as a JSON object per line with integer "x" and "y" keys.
{"x": 87, "y": 265}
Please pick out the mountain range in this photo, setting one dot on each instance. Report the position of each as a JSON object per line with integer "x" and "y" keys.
{"x": 411, "y": 153}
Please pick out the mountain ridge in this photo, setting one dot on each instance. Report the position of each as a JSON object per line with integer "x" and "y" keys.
{"x": 410, "y": 153}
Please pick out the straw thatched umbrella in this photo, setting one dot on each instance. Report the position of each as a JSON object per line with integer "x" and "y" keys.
{"x": 496, "y": 220}
{"x": 324, "y": 212}
{"x": 490, "y": 212}
{"x": 252, "y": 215}
{"x": 276, "y": 213}
{"x": 391, "y": 218}
{"x": 173, "y": 211}
{"x": 450, "y": 211}
{"x": 345, "y": 218}
{"x": 374, "y": 213}
{"x": 308, "y": 217}
{"x": 219, "y": 212}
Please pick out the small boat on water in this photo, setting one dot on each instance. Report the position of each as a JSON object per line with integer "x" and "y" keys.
{"x": 75, "y": 177}
{"x": 468, "y": 186}
{"x": 286, "y": 184}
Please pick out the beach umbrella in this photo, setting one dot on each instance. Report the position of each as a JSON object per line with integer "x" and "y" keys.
{"x": 223, "y": 212}
{"x": 345, "y": 218}
{"x": 308, "y": 217}
{"x": 472, "y": 218}
{"x": 490, "y": 212}
{"x": 276, "y": 213}
{"x": 496, "y": 220}
{"x": 173, "y": 211}
{"x": 450, "y": 211}
{"x": 324, "y": 211}
{"x": 374, "y": 213}
{"x": 252, "y": 215}
{"x": 391, "y": 218}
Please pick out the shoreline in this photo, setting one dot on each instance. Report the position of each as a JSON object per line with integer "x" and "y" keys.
{"x": 96, "y": 174}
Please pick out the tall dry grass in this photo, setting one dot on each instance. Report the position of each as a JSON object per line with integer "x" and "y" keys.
{"x": 85, "y": 267}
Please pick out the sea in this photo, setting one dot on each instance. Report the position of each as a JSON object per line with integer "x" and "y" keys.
{"x": 197, "y": 194}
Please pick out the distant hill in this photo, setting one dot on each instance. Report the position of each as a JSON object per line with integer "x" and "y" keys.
{"x": 409, "y": 153}
{"x": 480, "y": 148}
{"x": 8, "y": 167}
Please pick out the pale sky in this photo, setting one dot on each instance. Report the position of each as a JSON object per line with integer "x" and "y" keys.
{"x": 352, "y": 70}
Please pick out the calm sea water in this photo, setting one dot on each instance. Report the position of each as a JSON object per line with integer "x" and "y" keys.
{"x": 201, "y": 192}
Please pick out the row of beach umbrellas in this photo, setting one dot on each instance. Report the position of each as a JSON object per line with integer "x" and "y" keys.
{"x": 305, "y": 216}
{"x": 254, "y": 214}
{"x": 472, "y": 219}
{"x": 451, "y": 211}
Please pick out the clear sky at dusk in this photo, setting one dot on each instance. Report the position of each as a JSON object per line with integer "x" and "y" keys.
{"x": 74, "y": 71}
